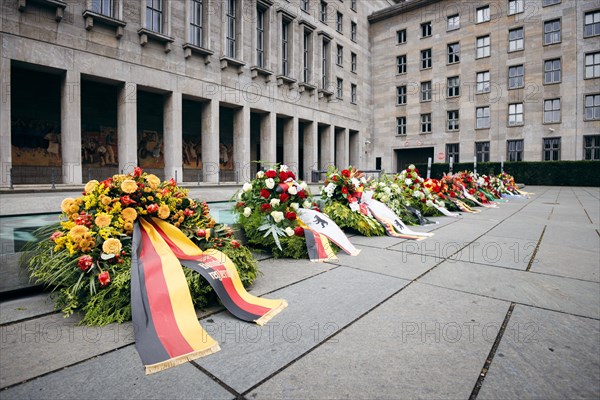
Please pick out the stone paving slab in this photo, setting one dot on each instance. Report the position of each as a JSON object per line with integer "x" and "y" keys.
{"x": 545, "y": 355}
{"x": 546, "y": 291}
{"x": 516, "y": 228}
{"x": 425, "y": 342}
{"x": 27, "y": 307}
{"x": 119, "y": 375}
{"x": 582, "y": 237}
{"x": 380, "y": 242}
{"x": 562, "y": 260}
{"x": 318, "y": 307}
{"x": 499, "y": 251}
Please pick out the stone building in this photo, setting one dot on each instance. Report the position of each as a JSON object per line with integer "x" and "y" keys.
{"x": 496, "y": 79}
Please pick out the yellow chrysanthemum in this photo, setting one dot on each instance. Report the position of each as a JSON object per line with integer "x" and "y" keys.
{"x": 163, "y": 211}
{"x": 129, "y": 214}
{"x": 112, "y": 246}
{"x": 103, "y": 220}
{"x": 66, "y": 204}
{"x": 105, "y": 200}
{"x": 73, "y": 208}
{"x": 129, "y": 186}
{"x": 153, "y": 180}
{"x": 78, "y": 231}
{"x": 90, "y": 186}
{"x": 128, "y": 226}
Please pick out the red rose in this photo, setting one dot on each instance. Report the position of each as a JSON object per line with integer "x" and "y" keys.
{"x": 172, "y": 182}
{"x": 265, "y": 193}
{"x": 240, "y": 204}
{"x": 201, "y": 232}
{"x": 284, "y": 197}
{"x": 299, "y": 231}
{"x": 137, "y": 172}
{"x": 104, "y": 278}
{"x": 344, "y": 190}
{"x": 334, "y": 178}
{"x": 55, "y": 236}
{"x": 126, "y": 200}
{"x": 302, "y": 194}
{"x": 188, "y": 212}
{"x": 85, "y": 262}
{"x": 345, "y": 173}
{"x": 235, "y": 244}
{"x": 152, "y": 208}
{"x": 423, "y": 200}
{"x": 283, "y": 176}
{"x": 452, "y": 195}
{"x": 265, "y": 207}
{"x": 290, "y": 215}
{"x": 290, "y": 174}
{"x": 271, "y": 173}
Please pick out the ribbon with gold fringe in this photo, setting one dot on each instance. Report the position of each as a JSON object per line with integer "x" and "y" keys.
{"x": 167, "y": 331}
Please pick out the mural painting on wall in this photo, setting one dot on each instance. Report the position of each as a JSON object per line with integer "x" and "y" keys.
{"x": 192, "y": 154}
{"x": 99, "y": 148}
{"x": 151, "y": 150}
{"x": 35, "y": 143}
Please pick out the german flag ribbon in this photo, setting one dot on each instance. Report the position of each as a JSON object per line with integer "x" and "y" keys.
{"x": 167, "y": 331}
{"x": 318, "y": 246}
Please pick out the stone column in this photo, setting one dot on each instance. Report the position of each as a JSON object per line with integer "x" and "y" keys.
{"x": 210, "y": 141}
{"x": 354, "y": 149}
{"x": 172, "y": 136}
{"x": 311, "y": 155}
{"x": 127, "y": 127}
{"x": 342, "y": 151}
{"x": 290, "y": 143}
{"x": 241, "y": 143}
{"x": 327, "y": 147}
{"x": 268, "y": 139}
{"x": 5, "y": 124}
{"x": 70, "y": 121}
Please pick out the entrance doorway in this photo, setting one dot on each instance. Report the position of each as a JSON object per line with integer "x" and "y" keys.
{"x": 405, "y": 157}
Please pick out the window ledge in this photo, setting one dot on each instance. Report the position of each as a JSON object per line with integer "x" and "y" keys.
{"x": 57, "y": 4}
{"x": 304, "y": 86}
{"x": 146, "y": 34}
{"x": 255, "y": 71}
{"x": 92, "y": 16}
{"x": 190, "y": 49}
{"x": 227, "y": 62}
{"x": 325, "y": 93}
{"x": 283, "y": 79}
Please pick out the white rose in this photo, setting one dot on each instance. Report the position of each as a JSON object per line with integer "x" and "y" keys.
{"x": 283, "y": 168}
{"x": 277, "y": 216}
{"x": 247, "y": 212}
{"x": 289, "y": 231}
{"x": 363, "y": 180}
{"x": 295, "y": 206}
{"x": 355, "y": 182}
{"x": 270, "y": 183}
{"x": 239, "y": 196}
{"x": 429, "y": 203}
{"x": 260, "y": 174}
{"x": 354, "y": 206}
{"x": 292, "y": 190}
{"x": 247, "y": 187}
{"x": 408, "y": 182}
{"x": 307, "y": 204}
{"x": 304, "y": 186}
{"x": 394, "y": 186}
{"x": 274, "y": 202}
{"x": 411, "y": 166}
{"x": 387, "y": 190}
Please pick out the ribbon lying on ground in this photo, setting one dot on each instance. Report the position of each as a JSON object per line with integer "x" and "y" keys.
{"x": 474, "y": 200}
{"x": 318, "y": 230}
{"x": 167, "y": 331}
{"x": 464, "y": 207}
{"x": 445, "y": 211}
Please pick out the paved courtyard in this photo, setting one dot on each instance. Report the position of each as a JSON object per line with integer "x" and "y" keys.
{"x": 500, "y": 304}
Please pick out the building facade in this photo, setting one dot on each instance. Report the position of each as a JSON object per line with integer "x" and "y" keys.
{"x": 493, "y": 80}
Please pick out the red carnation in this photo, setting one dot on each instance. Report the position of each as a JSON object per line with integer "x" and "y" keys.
{"x": 302, "y": 194}
{"x": 201, "y": 232}
{"x": 126, "y": 200}
{"x": 283, "y": 176}
{"x": 104, "y": 278}
{"x": 85, "y": 262}
{"x": 284, "y": 197}
{"x": 152, "y": 208}
{"x": 299, "y": 231}
{"x": 345, "y": 173}
{"x": 188, "y": 212}
{"x": 235, "y": 244}
{"x": 290, "y": 215}
{"x": 271, "y": 173}
{"x": 265, "y": 207}
{"x": 240, "y": 204}
{"x": 344, "y": 190}
{"x": 137, "y": 172}
{"x": 265, "y": 193}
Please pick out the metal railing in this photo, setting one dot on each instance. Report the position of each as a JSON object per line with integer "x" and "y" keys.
{"x": 369, "y": 173}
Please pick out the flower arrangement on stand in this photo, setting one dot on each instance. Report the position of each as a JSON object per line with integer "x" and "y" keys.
{"x": 387, "y": 190}
{"x": 418, "y": 194}
{"x": 341, "y": 193}
{"x": 268, "y": 207}
{"x": 86, "y": 257}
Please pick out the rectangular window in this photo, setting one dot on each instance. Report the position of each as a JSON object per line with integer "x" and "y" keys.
{"x": 401, "y": 36}
{"x": 552, "y": 111}
{"x": 400, "y": 95}
{"x": 426, "y": 29}
{"x": 592, "y": 65}
{"x": 592, "y": 107}
{"x": 482, "y": 151}
{"x": 514, "y": 150}
{"x": 285, "y": 47}
{"x": 306, "y": 56}
{"x": 515, "y": 7}
{"x": 325, "y": 65}
{"x": 591, "y": 23}
{"x": 230, "y": 39}
{"x": 353, "y": 30}
{"x": 516, "y": 39}
{"x": 340, "y": 55}
{"x": 339, "y": 26}
{"x": 483, "y": 47}
{"x": 552, "y": 31}
{"x": 401, "y": 64}
{"x": 353, "y": 5}
{"x": 340, "y": 88}
{"x": 591, "y": 147}
{"x": 154, "y": 15}
{"x": 453, "y": 22}
{"x": 515, "y": 114}
{"x": 552, "y": 149}
{"x": 323, "y": 12}
{"x": 196, "y": 15}
{"x": 353, "y": 93}
{"x": 452, "y": 120}
{"x": 104, "y": 7}
{"x": 483, "y": 14}
{"x": 426, "y": 91}
{"x": 550, "y": 2}
{"x": 426, "y": 59}
{"x": 453, "y": 53}
{"x": 552, "y": 71}
{"x": 353, "y": 62}
{"x": 483, "y": 82}
{"x": 400, "y": 125}
{"x": 426, "y": 123}
{"x": 516, "y": 77}
{"x": 304, "y": 5}
{"x": 452, "y": 150}
{"x": 453, "y": 86}
{"x": 260, "y": 37}
{"x": 482, "y": 116}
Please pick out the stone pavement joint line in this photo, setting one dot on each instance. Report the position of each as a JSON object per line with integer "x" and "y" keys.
{"x": 537, "y": 247}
